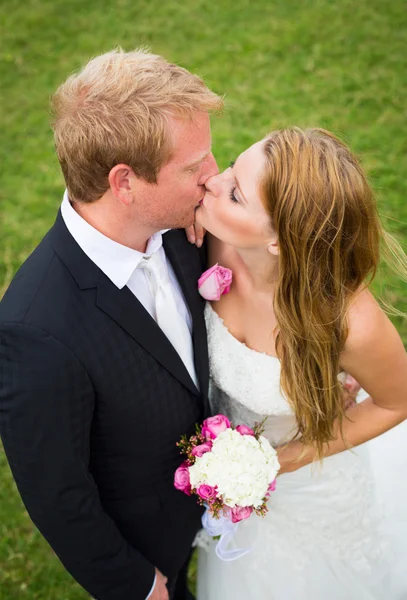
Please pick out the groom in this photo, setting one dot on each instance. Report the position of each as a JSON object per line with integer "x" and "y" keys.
{"x": 103, "y": 354}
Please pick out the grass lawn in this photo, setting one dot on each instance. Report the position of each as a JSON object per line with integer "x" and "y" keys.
{"x": 337, "y": 64}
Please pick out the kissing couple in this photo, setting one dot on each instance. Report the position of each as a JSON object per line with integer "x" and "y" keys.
{"x": 108, "y": 353}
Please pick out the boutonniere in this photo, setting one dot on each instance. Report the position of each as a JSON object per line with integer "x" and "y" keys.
{"x": 214, "y": 282}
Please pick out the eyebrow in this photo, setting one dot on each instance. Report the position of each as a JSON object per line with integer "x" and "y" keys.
{"x": 198, "y": 160}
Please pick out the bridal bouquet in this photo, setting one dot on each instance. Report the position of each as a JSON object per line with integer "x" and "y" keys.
{"x": 231, "y": 470}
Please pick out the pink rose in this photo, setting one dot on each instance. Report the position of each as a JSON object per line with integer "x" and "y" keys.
{"x": 181, "y": 479}
{"x": 202, "y": 449}
{"x": 243, "y": 430}
{"x": 213, "y": 426}
{"x": 239, "y": 513}
{"x": 272, "y": 486}
{"x": 214, "y": 282}
{"x": 206, "y": 492}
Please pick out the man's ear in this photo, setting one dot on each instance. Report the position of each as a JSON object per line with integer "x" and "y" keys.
{"x": 120, "y": 181}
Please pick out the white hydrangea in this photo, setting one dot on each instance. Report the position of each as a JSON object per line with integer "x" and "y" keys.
{"x": 240, "y": 466}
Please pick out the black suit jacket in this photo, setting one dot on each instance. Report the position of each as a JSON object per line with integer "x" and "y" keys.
{"x": 93, "y": 399}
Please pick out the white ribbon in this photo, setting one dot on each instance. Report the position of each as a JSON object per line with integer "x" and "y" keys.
{"x": 224, "y": 527}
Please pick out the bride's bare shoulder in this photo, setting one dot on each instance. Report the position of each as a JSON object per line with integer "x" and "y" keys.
{"x": 366, "y": 319}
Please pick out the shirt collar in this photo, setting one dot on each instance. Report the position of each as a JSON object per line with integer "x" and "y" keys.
{"x": 117, "y": 262}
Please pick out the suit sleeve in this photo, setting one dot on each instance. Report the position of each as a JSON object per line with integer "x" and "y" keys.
{"x": 46, "y": 409}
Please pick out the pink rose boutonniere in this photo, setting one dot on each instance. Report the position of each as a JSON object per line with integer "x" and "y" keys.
{"x": 214, "y": 282}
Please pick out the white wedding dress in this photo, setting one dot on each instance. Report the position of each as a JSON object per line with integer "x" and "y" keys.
{"x": 333, "y": 532}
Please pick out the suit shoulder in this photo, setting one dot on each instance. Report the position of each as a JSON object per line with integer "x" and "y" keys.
{"x": 27, "y": 283}
{"x": 176, "y": 241}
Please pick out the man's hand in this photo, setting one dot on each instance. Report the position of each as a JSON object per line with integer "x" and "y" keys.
{"x": 350, "y": 389}
{"x": 195, "y": 234}
{"x": 160, "y": 591}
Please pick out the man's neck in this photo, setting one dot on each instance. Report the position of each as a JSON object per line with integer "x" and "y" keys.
{"x": 112, "y": 226}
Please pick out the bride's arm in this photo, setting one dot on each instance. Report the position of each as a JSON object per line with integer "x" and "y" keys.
{"x": 374, "y": 355}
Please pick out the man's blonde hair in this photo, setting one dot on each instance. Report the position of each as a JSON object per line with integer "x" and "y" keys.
{"x": 115, "y": 110}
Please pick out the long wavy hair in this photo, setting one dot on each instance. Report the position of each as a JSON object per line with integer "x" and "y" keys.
{"x": 329, "y": 231}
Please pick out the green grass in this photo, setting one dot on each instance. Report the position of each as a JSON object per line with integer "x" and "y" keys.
{"x": 336, "y": 64}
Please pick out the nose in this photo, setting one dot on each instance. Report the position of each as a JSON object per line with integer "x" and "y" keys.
{"x": 212, "y": 184}
{"x": 211, "y": 169}
{"x": 213, "y": 165}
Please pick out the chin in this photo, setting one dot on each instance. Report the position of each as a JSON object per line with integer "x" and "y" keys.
{"x": 199, "y": 218}
{"x": 182, "y": 221}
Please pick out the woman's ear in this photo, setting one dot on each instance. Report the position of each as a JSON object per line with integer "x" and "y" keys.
{"x": 120, "y": 183}
{"x": 272, "y": 246}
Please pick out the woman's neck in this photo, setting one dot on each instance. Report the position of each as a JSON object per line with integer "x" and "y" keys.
{"x": 258, "y": 272}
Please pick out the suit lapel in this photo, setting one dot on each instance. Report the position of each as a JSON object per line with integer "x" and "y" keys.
{"x": 124, "y": 308}
{"x": 187, "y": 267}
{"x": 120, "y": 305}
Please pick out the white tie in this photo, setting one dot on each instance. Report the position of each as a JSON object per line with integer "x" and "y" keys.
{"x": 167, "y": 316}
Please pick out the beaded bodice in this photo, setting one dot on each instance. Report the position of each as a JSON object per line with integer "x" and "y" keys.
{"x": 245, "y": 384}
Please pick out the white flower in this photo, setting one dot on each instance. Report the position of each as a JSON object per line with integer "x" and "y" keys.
{"x": 240, "y": 466}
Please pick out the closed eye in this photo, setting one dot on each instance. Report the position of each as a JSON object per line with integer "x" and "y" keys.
{"x": 232, "y": 196}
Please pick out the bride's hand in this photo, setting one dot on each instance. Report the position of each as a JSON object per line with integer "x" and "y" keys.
{"x": 195, "y": 234}
{"x": 289, "y": 454}
{"x": 289, "y": 457}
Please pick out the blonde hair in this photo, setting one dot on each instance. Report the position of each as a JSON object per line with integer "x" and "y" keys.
{"x": 329, "y": 231}
{"x": 115, "y": 110}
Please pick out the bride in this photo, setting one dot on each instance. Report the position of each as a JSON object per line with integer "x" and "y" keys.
{"x": 296, "y": 221}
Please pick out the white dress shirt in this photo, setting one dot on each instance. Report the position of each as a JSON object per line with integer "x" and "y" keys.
{"x": 119, "y": 263}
